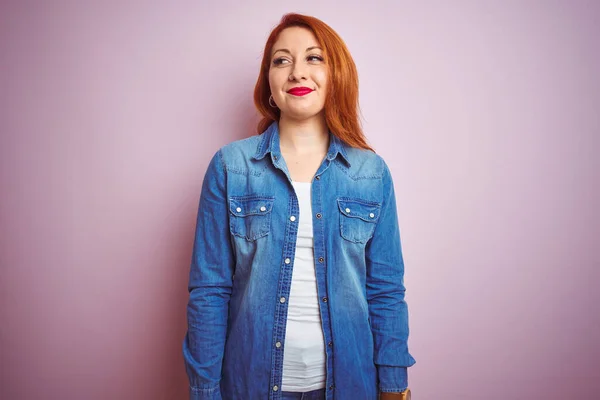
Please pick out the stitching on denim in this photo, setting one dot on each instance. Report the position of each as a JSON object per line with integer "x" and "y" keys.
{"x": 264, "y": 226}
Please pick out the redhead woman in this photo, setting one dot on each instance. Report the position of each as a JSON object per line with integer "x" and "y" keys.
{"x": 296, "y": 286}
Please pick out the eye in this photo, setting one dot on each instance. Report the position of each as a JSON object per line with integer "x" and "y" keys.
{"x": 279, "y": 61}
{"x": 315, "y": 58}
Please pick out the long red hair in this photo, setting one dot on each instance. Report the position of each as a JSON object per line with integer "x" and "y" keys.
{"x": 341, "y": 103}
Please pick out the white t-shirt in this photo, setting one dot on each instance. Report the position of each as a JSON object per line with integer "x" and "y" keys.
{"x": 304, "y": 359}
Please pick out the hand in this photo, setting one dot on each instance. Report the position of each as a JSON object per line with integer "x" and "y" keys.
{"x": 395, "y": 395}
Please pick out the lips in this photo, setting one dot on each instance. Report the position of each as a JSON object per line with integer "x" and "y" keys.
{"x": 300, "y": 91}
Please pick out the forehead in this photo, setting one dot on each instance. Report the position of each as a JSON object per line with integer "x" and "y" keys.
{"x": 295, "y": 38}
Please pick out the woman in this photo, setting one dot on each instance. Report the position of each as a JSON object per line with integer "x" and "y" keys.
{"x": 296, "y": 282}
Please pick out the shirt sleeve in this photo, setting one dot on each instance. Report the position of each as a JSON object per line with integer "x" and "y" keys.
{"x": 210, "y": 283}
{"x": 388, "y": 311}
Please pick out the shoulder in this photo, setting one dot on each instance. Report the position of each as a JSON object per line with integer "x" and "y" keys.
{"x": 246, "y": 146}
{"x": 365, "y": 163}
{"x": 238, "y": 150}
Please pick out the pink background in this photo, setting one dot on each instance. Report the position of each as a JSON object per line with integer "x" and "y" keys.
{"x": 487, "y": 113}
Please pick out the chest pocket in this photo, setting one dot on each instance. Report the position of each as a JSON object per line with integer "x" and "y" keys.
{"x": 358, "y": 219}
{"x": 250, "y": 216}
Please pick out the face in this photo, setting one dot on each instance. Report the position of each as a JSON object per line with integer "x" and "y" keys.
{"x": 298, "y": 74}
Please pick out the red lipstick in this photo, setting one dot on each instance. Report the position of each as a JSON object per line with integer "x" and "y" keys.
{"x": 300, "y": 91}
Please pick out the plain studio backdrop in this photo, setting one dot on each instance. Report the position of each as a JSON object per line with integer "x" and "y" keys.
{"x": 486, "y": 111}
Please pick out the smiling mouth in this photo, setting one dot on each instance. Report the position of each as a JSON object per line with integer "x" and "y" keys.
{"x": 300, "y": 91}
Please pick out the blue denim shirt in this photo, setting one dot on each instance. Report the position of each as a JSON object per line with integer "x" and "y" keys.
{"x": 242, "y": 263}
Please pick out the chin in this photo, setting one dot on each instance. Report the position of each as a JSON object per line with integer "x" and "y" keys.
{"x": 301, "y": 114}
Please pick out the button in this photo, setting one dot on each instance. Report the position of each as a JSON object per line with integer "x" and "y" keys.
{"x": 278, "y": 344}
{"x": 347, "y": 210}
{"x": 324, "y": 299}
{"x": 321, "y": 259}
{"x": 372, "y": 215}
{"x": 263, "y": 208}
{"x": 328, "y": 344}
{"x": 275, "y": 388}
{"x": 319, "y": 215}
{"x": 282, "y": 299}
{"x": 292, "y": 218}
{"x": 275, "y": 157}
{"x": 331, "y": 387}
{"x": 287, "y": 261}
{"x": 238, "y": 209}
{"x": 317, "y": 177}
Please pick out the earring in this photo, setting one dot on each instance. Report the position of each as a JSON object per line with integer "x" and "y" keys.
{"x": 270, "y": 100}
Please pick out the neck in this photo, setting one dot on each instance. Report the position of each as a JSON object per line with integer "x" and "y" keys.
{"x": 308, "y": 136}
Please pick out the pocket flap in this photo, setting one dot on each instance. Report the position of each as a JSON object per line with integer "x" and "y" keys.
{"x": 250, "y": 205}
{"x": 367, "y": 211}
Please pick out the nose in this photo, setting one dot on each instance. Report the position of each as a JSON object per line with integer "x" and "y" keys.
{"x": 298, "y": 71}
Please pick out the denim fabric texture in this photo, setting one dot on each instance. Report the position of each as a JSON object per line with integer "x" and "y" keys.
{"x": 241, "y": 271}
{"x": 318, "y": 394}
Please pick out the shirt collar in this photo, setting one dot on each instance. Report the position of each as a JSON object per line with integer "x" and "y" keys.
{"x": 270, "y": 143}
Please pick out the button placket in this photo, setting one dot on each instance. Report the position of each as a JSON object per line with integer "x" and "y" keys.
{"x": 281, "y": 300}
{"x": 288, "y": 261}
{"x": 321, "y": 275}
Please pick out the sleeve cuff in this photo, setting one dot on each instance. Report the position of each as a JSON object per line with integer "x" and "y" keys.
{"x": 392, "y": 379}
{"x": 205, "y": 394}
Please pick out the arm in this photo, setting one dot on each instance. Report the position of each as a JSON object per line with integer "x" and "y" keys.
{"x": 388, "y": 311}
{"x": 210, "y": 283}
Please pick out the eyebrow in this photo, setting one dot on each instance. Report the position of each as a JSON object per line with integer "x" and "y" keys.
{"x": 289, "y": 52}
